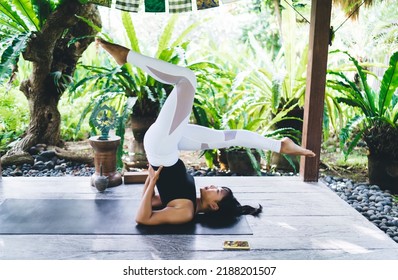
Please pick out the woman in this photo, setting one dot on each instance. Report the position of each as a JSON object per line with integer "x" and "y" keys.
{"x": 171, "y": 133}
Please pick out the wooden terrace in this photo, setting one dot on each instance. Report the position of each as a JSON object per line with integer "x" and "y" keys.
{"x": 301, "y": 221}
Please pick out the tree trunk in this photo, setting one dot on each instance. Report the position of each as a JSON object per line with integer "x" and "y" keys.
{"x": 53, "y": 65}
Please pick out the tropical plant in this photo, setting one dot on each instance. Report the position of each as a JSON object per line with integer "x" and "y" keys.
{"x": 131, "y": 81}
{"x": 70, "y": 109}
{"x": 384, "y": 28}
{"x": 118, "y": 84}
{"x": 266, "y": 96}
{"x": 278, "y": 82}
{"x": 245, "y": 115}
{"x": 14, "y": 117}
{"x": 243, "y": 100}
{"x": 273, "y": 88}
{"x": 41, "y": 32}
{"x": 375, "y": 109}
{"x": 376, "y": 120}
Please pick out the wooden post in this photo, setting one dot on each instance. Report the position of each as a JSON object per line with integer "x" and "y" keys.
{"x": 315, "y": 87}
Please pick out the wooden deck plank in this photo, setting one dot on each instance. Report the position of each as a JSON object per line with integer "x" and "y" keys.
{"x": 300, "y": 221}
{"x": 155, "y": 247}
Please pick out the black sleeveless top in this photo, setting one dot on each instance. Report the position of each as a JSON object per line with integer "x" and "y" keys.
{"x": 174, "y": 183}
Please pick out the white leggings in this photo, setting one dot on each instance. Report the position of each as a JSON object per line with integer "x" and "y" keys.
{"x": 171, "y": 132}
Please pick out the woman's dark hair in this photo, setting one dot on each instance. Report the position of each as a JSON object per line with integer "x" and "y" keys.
{"x": 230, "y": 206}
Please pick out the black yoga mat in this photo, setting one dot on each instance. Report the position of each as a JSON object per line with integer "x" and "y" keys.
{"x": 102, "y": 216}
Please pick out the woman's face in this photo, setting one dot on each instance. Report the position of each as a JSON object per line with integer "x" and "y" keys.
{"x": 211, "y": 194}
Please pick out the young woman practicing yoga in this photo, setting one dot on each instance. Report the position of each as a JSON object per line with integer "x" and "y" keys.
{"x": 171, "y": 133}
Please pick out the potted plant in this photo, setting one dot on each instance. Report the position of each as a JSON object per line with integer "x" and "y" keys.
{"x": 375, "y": 120}
{"x": 245, "y": 114}
{"x": 105, "y": 147}
{"x": 271, "y": 101}
{"x": 278, "y": 84}
{"x": 243, "y": 101}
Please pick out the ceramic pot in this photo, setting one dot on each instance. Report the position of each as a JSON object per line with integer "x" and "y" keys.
{"x": 105, "y": 156}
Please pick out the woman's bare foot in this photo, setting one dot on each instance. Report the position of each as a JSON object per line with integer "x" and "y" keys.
{"x": 290, "y": 148}
{"x": 119, "y": 53}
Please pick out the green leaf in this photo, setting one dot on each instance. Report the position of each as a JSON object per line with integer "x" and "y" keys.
{"x": 76, "y": 39}
{"x": 166, "y": 54}
{"x": 7, "y": 10}
{"x": 209, "y": 158}
{"x": 188, "y": 30}
{"x": 165, "y": 37}
{"x": 389, "y": 84}
{"x": 11, "y": 55}
{"x": 349, "y": 101}
{"x": 26, "y": 9}
{"x": 369, "y": 94}
{"x": 290, "y": 161}
{"x": 130, "y": 30}
{"x": 276, "y": 95}
{"x": 351, "y": 91}
{"x": 395, "y": 117}
{"x": 94, "y": 26}
{"x": 353, "y": 144}
{"x": 253, "y": 161}
{"x": 12, "y": 25}
{"x": 121, "y": 127}
{"x": 43, "y": 9}
{"x": 349, "y": 129}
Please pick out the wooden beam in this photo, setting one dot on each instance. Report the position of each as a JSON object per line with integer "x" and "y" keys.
{"x": 315, "y": 88}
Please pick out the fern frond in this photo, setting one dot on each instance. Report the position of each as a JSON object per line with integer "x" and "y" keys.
{"x": 348, "y": 129}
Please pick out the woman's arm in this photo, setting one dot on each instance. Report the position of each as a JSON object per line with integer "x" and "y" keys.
{"x": 145, "y": 208}
{"x": 147, "y": 181}
{"x": 168, "y": 215}
{"x": 156, "y": 201}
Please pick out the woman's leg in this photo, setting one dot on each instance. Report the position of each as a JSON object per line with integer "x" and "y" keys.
{"x": 171, "y": 131}
{"x": 161, "y": 140}
{"x": 201, "y": 138}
